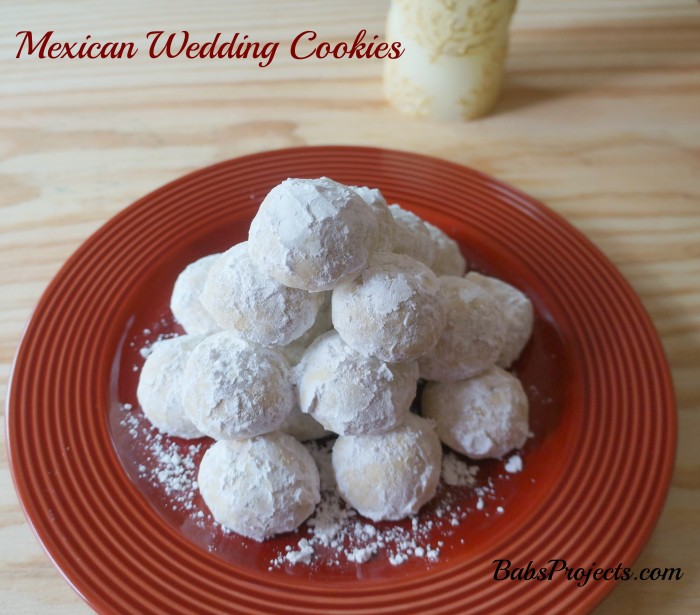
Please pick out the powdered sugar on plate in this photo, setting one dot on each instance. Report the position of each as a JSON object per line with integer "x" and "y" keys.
{"x": 336, "y": 534}
{"x": 514, "y": 464}
{"x": 457, "y": 472}
{"x": 166, "y": 464}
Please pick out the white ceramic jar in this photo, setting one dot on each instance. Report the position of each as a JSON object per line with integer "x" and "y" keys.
{"x": 455, "y": 51}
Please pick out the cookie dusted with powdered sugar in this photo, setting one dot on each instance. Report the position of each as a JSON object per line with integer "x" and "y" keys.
{"x": 159, "y": 390}
{"x": 412, "y": 236}
{"x": 386, "y": 224}
{"x": 303, "y": 427}
{"x": 312, "y": 233}
{"x": 261, "y": 486}
{"x": 185, "y": 302}
{"x": 232, "y": 388}
{"x": 244, "y": 299}
{"x": 393, "y": 310}
{"x": 448, "y": 259}
{"x": 389, "y": 476}
{"x": 486, "y": 416}
{"x": 473, "y": 337}
{"x": 294, "y": 350}
{"x": 351, "y": 394}
{"x": 518, "y": 313}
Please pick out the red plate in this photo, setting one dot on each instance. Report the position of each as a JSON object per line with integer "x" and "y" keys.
{"x": 595, "y": 473}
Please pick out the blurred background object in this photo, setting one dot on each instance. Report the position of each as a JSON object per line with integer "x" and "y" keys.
{"x": 454, "y": 56}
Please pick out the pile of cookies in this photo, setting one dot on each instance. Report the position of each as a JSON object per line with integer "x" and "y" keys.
{"x": 322, "y": 323}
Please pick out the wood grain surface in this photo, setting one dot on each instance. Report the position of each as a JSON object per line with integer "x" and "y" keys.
{"x": 600, "y": 119}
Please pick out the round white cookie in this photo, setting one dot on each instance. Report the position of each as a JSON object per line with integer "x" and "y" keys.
{"x": 412, "y": 236}
{"x": 352, "y": 394}
{"x": 517, "y": 310}
{"x": 185, "y": 302}
{"x": 448, "y": 258}
{"x": 244, "y": 299}
{"x": 232, "y": 388}
{"x": 386, "y": 224}
{"x": 159, "y": 390}
{"x": 303, "y": 426}
{"x": 473, "y": 337}
{"x": 260, "y": 486}
{"x": 312, "y": 233}
{"x": 295, "y": 349}
{"x": 486, "y": 416}
{"x": 393, "y": 310}
{"x": 389, "y": 476}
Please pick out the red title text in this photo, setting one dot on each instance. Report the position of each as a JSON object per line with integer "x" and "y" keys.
{"x": 168, "y": 45}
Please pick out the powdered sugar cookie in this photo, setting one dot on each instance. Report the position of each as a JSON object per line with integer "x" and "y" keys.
{"x": 303, "y": 426}
{"x": 232, "y": 388}
{"x": 389, "y": 476}
{"x": 393, "y": 310}
{"x": 486, "y": 416}
{"x": 295, "y": 349}
{"x": 448, "y": 259}
{"x": 473, "y": 337}
{"x": 260, "y": 486}
{"x": 352, "y": 394}
{"x": 518, "y": 313}
{"x": 185, "y": 302}
{"x": 386, "y": 224}
{"x": 312, "y": 233}
{"x": 412, "y": 236}
{"x": 159, "y": 390}
{"x": 244, "y": 299}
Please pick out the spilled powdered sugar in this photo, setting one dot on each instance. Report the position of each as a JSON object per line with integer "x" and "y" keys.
{"x": 165, "y": 464}
{"x": 341, "y": 534}
{"x": 457, "y": 473}
{"x": 336, "y": 534}
{"x": 514, "y": 464}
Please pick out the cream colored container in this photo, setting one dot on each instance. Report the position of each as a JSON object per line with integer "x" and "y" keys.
{"x": 455, "y": 51}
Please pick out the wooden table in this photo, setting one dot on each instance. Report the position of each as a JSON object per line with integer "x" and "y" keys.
{"x": 600, "y": 119}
